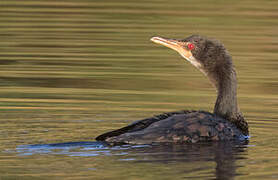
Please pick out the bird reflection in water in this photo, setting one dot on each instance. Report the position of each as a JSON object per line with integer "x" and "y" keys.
{"x": 224, "y": 153}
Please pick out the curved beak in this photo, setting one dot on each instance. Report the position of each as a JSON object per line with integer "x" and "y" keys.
{"x": 175, "y": 45}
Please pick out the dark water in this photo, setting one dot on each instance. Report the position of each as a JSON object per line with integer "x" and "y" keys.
{"x": 70, "y": 70}
{"x": 182, "y": 160}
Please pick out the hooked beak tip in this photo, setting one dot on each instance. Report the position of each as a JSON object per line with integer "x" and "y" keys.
{"x": 154, "y": 39}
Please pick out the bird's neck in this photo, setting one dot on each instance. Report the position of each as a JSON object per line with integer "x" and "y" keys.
{"x": 226, "y": 102}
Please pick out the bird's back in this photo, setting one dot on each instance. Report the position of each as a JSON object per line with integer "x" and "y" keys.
{"x": 177, "y": 127}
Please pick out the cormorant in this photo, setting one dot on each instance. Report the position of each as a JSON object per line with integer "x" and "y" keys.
{"x": 225, "y": 123}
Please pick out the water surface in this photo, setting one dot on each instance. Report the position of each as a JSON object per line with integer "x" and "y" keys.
{"x": 70, "y": 70}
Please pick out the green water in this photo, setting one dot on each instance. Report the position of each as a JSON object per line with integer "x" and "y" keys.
{"x": 71, "y": 70}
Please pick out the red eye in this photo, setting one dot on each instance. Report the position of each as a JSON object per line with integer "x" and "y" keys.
{"x": 190, "y": 46}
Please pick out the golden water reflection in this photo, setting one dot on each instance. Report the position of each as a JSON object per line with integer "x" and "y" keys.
{"x": 70, "y": 70}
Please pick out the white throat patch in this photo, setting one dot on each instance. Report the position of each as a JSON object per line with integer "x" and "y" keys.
{"x": 193, "y": 61}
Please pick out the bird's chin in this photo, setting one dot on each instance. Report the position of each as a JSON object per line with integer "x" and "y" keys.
{"x": 192, "y": 60}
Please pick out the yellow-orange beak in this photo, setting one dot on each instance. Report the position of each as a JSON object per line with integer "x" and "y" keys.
{"x": 175, "y": 45}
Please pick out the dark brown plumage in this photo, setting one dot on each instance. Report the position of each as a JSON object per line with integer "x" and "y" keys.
{"x": 226, "y": 123}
